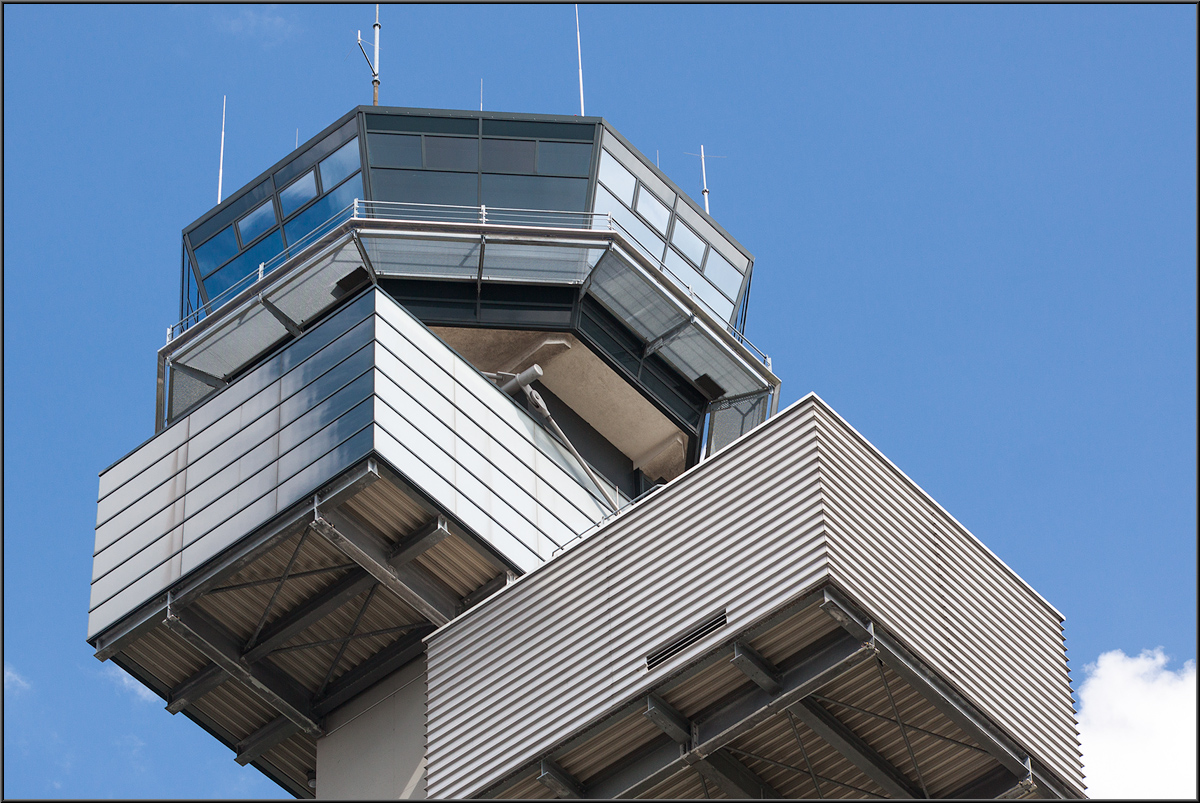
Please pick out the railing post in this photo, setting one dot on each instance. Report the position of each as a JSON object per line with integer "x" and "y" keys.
{"x": 170, "y": 332}
{"x": 260, "y": 270}
{"x": 355, "y": 212}
{"x": 483, "y": 213}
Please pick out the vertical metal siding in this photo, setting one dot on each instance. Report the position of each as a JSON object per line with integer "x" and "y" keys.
{"x": 567, "y": 644}
{"x": 933, "y": 584}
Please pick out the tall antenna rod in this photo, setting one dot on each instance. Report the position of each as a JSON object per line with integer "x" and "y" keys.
{"x": 480, "y": 94}
{"x": 579, "y": 51}
{"x": 374, "y": 66}
{"x": 704, "y": 173}
{"x": 221, "y": 164}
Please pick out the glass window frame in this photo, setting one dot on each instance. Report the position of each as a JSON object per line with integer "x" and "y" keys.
{"x": 316, "y": 182}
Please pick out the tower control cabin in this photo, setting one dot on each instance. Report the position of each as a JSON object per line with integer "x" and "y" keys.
{"x": 466, "y": 483}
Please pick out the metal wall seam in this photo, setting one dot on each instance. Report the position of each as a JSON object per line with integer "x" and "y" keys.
{"x": 967, "y": 636}
{"x": 489, "y": 673}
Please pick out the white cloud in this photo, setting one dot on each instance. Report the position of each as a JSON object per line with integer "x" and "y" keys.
{"x": 264, "y": 24}
{"x": 1137, "y": 725}
{"x": 126, "y": 682}
{"x": 13, "y": 682}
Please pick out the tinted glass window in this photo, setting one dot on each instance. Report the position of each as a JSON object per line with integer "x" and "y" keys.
{"x": 244, "y": 265}
{"x": 535, "y": 192}
{"x": 394, "y": 150}
{"x": 563, "y": 159}
{"x": 257, "y": 222}
{"x": 617, "y": 178}
{"x": 323, "y": 210}
{"x": 687, "y": 242}
{"x": 317, "y": 152}
{"x": 536, "y": 130}
{"x": 652, "y": 210}
{"x": 422, "y": 125}
{"x": 451, "y": 153}
{"x": 339, "y": 164}
{"x": 508, "y": 155}
{"x": 642, "y": 235}
{"x": 297, "y": 194}
{"x": 216, "y": 251}
{"x": 428, "y": 187}
{"x": 234, "y": 208}
{"x": 722, "y": 274}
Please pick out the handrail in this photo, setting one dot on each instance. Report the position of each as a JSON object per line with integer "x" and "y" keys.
{"x": 448, "y": 213}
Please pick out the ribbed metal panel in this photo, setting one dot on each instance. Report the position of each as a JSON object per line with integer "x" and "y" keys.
{"x": 747, "y": 532}
{"x": 567, "y": 644}
{"x": 951, "y": 600}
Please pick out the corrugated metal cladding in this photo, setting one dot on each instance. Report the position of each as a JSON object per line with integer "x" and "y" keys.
{"x": 371, "y": 378}
{"x": 955, "y": 604}
{"x": 800, "y": 500}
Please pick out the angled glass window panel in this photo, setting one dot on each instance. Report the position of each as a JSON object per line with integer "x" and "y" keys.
{"x": 618, "y": 180}
{"x": 685, "y": 276}
{"x": 298, "y": 193}
{"x": 688, "y": 243}
{"x": 234, "y": 207}
{"x": 539, "y": 130}
{"x": 700, "y": 287}
{"x": 217, "y": 251}
{"x": 319, "y": 213}
{"x": 317, "y": 152}
{"x": 257, "y": 222}
{"x": 653, "y": 210}
{"x": 451, "y": 153}
{"x": 643, "y": 238}
{"x": 421, "y": 124}
{"x": 694, "y": 354}
{"x": 508, "y": 155}
{"x": 339, "y": 164}
{"x": 394, "y": 150}
{"x": 314, "y": 287}
{"x": 425, "y": 187}
{"x": 725, "y": 276}
{"x": 630, "y": 297}
{"x": 563, "y": 159}
{"x": 535, "y": 192}
{"x": 243, "y": 266}
{"x": 543, "y": 263}
{"x": 425, "y": 259}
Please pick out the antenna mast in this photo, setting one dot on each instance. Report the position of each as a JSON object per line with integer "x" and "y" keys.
{"x": 703, "y": 174}
{"x": 579, "y": 51}
{"x": 221, "y": 164}
{"x": 374, "y": 66}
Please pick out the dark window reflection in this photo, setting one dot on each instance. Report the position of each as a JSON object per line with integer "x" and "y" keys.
{"x": 394, "y": 150}
{"x": 417, "y": 187}
{"x": 535, "y": 192}
{"x": 451, "y": 153}
{"x": 297, "y": 194}
{"x": 563, "y": 159}
{"x": 508, "y": 155}
{"x": 323, "y": 210}
{"x": 339, "y": 164}
{"x": 243, "y": 266}
{"x": 216, "y": 251}
{"x": 257, "y": 222}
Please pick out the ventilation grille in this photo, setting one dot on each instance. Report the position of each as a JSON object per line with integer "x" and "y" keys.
{"x": 664, "y": 654}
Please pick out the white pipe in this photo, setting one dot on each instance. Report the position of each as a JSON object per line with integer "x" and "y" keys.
{"x": 704, "y": 178}
{"x": 221, "y": 164}
{"x": 375, "y": 67}
{"x": 579, "y": 51}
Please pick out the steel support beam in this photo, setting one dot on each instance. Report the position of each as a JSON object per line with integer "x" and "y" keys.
{"x": 195, "y": 687}
{"x": 264, "y": 739}
{"x": 201, "y": 376}
{"x": 999, "y": 783}
{"x": 946, "y": 699}
{"x": 668, "y": 720}
{"x": 281, "y": 316}
{"x": 270, "y": 684}
{"x": 764, "y": 673}
{"x": 556, "y": 779}
{"x": 484, "y": 591}
{"x": 421, "y": 541}
{"x": 858, "y": 752}
{"x": 372, "y": 670}
{"x": 411, "y": 584}
{"x": 821, "y": 664}
{"x": 300, "y": 618}
{"x": 735, "y": 778}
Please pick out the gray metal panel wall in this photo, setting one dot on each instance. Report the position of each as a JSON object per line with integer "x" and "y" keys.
{"x": 935, "y": 585}
{"x": 800, "y": 499}
{"x": 371, "y": 378}
{"x": 242, "y": 457}
{"x": 568, "y": 643}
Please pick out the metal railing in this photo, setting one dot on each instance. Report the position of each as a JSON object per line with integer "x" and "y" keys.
{"x": 447, "y": 213}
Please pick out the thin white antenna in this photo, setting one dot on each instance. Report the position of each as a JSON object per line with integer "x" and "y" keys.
{"x": 480, "y": 94}
{"x": 579, "y": 51}
{"x": 221, "y": 164}
{"x": 704, "y": 173}
{"x": 374, "y": 66}
{"x": 297, "y": 137}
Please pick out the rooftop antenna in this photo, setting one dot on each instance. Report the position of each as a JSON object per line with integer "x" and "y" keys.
{"x": 221, "y": 164}
{"x": 704, "y": 173}
{"x": 480, "y": 94}
{"x": 374, "y": 66}
{"x": 579, "y": 51}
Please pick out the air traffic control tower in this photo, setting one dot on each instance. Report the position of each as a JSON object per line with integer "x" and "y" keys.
{"x": 465, "y": 482}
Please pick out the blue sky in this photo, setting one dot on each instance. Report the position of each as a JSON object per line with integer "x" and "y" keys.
{"x": 974, "y": 231}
